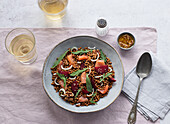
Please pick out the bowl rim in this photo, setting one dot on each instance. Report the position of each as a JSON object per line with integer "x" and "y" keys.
{"x": 128, "y": 34}
{"x": 73, "y": 38}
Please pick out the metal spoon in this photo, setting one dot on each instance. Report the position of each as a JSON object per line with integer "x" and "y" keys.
{"x": 142, "y": 70}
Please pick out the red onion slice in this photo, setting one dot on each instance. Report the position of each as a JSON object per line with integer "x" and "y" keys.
{"x": 74, "y": 48}
{"x": 98, "y": 76}
{"x": 66, "y": 68}
{"x": 78, "y": 104}
{"x": 55, "y": 74}
{"x": 91, "y": 93}
{"x": 89, "y": 71}
{"x": 56, "y": 83}
{"x": 92, "y": 48}
{"x": 72, "y": 78}
{"x": 62, "y": 89}
{"x": 79, "y": 62}
{"x": 110, "y": 69}
{"x": 93, "y": 60}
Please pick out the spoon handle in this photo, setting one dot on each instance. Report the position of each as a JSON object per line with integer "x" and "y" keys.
{"x": 132, "y": 115}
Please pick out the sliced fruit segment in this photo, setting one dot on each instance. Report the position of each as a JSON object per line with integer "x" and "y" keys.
{"x": 85, "y": 91}
{"x": 102, "y": 69}
{"x": 70, "y": 59}
{"x": 82, "y": 99}
{"x": 83, "y": 57}
{"x": 66, "y": 73}
{"x": 93, "y": 83}
{"x": 112, "y": 79}
{"x": 74, "y": 86}
{"x": 59, "y": 65}
{"x": 104, "y": 90}
{"x": 61, "y": 82}
{"x": 83, "y": 77}
{"x": 99, "y": 63}
{"x": 82, "y": 66}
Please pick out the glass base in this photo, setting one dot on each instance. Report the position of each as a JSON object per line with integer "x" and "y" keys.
{"x": 31, "y": 60}
{"x": 57, "y": 16}
{"x": 54, "y": 17}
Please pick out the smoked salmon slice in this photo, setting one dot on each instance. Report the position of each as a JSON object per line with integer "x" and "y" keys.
{"x": 104, "y": 90}
{"x": 59, "y": 65}
{"x": 70, "y": 59}
{"x": 61, "y": 82}
{"x": 99, "y": 63}
{"x": 83, "y": 77}
{"x": 83, "y": 57}
{"x": 82, "y": 99}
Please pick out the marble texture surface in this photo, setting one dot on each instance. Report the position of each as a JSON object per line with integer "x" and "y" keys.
{"x": 84, "y": 13}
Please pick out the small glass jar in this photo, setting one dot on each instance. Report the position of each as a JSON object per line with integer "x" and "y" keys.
{"x": 102, "y": 27}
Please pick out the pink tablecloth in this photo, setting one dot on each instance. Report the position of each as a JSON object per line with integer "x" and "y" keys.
{"x": 23, "y": 100}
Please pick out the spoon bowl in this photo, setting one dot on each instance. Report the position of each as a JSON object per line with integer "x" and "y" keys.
{"x": 144, "y": 65}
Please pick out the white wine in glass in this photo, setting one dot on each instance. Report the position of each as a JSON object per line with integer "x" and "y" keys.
{"x": 53, "y": 9}
{"x": 21, "y": 44}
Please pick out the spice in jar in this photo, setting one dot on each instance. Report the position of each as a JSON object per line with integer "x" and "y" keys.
{"x": 102, "y": 27}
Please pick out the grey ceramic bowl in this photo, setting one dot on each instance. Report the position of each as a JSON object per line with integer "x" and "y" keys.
{"x": 129, "y": 35}
{"x": 83, "y": 41}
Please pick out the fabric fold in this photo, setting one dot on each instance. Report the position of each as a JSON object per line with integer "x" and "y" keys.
{"x": 153, "y": 97}
{"x": 22, "y": 97}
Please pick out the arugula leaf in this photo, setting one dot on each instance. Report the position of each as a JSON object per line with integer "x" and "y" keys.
{"x": 94, "y": 94}
{"x": 103, "y": 56}
{"x": 82, "y": 51}
{"x": 59, "y": 59}
{"x": 93, "y": 102}
{"x": 88, "y": 84}
{"x": 78, "y": 92}
{"x": 105, "y": 76}
{"x": 61, "y": 76}
{"x": 78, "y": 72}
{"x": 93, "y": 97}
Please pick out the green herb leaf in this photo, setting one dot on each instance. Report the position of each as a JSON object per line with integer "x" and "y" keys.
{"x": 78, "y": 92}
{"x": 103, "y": 56}
{"x": 78, "y": 72}
{"x": 93, "y": 97}
{"x": 93, "y": 102}
{"x": 105, "y": 76}
{"x": 88, "y": 84}
{"x": 59, "y": 59}
{"x": 82, "y": 51}
{"x": 61, "y": 76}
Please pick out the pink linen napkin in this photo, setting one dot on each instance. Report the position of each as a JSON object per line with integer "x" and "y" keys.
{"x": 22, "y": 98}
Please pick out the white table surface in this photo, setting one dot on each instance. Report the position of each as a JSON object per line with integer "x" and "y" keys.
{"x": 83, "y": 14}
